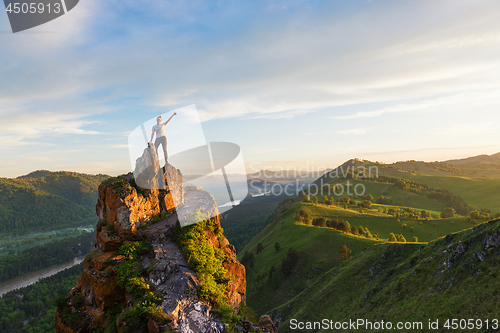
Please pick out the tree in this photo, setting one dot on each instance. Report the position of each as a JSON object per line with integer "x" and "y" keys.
{"x": 447, "y": 212}
{"x": 344, "y": 226}
{"x": 325, "y": 199}
{"x": 315, "y": 200}
{"x": 384, "y": 200}
{"x": 277, "y": 246}
{"x": 401, "y": 238}
{"x": 306, "y": 198}
{"x": 288, "y": 263}
{"x": 248, "y": 259}
{"x": 475, "y": 214}
{"x": 354, "y": 230}
{"x": 415, "y": 239}
{"x": 260, "y": 247}
{"x": 392, "y": 238}
{"x": 298, "y": 218}
{"x": 344, "y": 252}
{"x": 308, "y": 219}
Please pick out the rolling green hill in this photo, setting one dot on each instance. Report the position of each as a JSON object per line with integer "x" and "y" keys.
{"x": 477, "y": 192}
{"x": 318, "y": 251}
{"x": 288, "y": 260}
{"x": 246, "y": 220}
{"x": 53, "y": 200}
{"x": 453, "y": 277}
{"x": 318, "y": 248}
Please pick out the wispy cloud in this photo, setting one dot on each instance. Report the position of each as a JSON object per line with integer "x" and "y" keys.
{"x": 245, "y": 61}
{"x": 264, "y": 150}
{"x": 353, "y": 131}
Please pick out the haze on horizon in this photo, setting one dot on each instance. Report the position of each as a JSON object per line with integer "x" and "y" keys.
{"x": 290, "y": 82}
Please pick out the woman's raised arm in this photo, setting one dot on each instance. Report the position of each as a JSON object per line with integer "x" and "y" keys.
{"x": 170, "y": 118}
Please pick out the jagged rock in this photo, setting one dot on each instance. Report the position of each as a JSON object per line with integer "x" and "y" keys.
{"x": 61, "y": 327}
{"x": 147, "y": 169}
{"x": 164, "y": 267}
{"x": 99, "y": 288}
{"x": 105, "y": 242}
{"x": 126, "y": 209}
{"x": 461, "y": 248}
{"x": 491, "y": 241}
{"x": 480, "y": 255}
{"x": 267, "y": 325}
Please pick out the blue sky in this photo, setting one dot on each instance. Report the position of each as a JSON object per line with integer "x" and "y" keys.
{"x": 293, "y": 83}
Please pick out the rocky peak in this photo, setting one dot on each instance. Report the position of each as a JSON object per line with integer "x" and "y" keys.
{"x": 131, "y": 217}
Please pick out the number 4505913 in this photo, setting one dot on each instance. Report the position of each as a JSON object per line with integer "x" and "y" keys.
{"x": 471, "y": 324}
{"x": 33, "y": 8}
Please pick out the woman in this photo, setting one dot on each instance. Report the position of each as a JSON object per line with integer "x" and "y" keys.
{"x": 159, "y": 128}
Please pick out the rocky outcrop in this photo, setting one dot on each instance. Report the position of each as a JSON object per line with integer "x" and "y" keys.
{"x": 126, "y": 206}
{"x": 128, "y": 214}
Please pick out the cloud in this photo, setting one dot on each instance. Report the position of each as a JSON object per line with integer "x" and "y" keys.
{"x": 318, "y": 133}
{"x": 264, "y": 150}
{"x": 476, "y": 98}
{"x": 264, "y": 69}
{"x": 20, "y": 126}
{"x": 353, "y": 131}
{"x": 245, "y": 61}
{"x": 43, "y": 159}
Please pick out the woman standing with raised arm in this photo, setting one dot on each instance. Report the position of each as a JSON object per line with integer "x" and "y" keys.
{"x": 159, "y": 128}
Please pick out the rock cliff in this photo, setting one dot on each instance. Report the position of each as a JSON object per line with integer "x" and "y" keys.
{"x": 138, "y": 278}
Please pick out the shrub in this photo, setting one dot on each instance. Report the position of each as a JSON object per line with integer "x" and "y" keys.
{"x": 288, "y": 263}
{"x": 344, "y": 252}
{"x": 100, "y": 224}
{"x": 401, "y": 238}
{"x": 205, "y": 260}
{"x": 248, "y": 259}
{"x": 111, "y": 230}
{"x": 447, "y": 212}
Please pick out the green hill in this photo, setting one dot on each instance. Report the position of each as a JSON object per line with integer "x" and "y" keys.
{"x": 453, "y": 277}
{"x": 318, "y": 248}
{"x": 318, "y": 252}
{"x": 475, "y": 192}
{"x": 53, "y": 200}
{"x": 411, "y": 197}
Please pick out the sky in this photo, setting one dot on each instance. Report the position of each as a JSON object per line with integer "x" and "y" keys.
{"x": 293, "y": 83}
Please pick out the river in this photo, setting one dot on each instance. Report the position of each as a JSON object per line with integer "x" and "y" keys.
{"x": 30, "y": 278}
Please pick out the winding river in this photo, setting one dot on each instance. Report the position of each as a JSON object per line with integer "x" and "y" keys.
{"x": 30, "y": 278}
